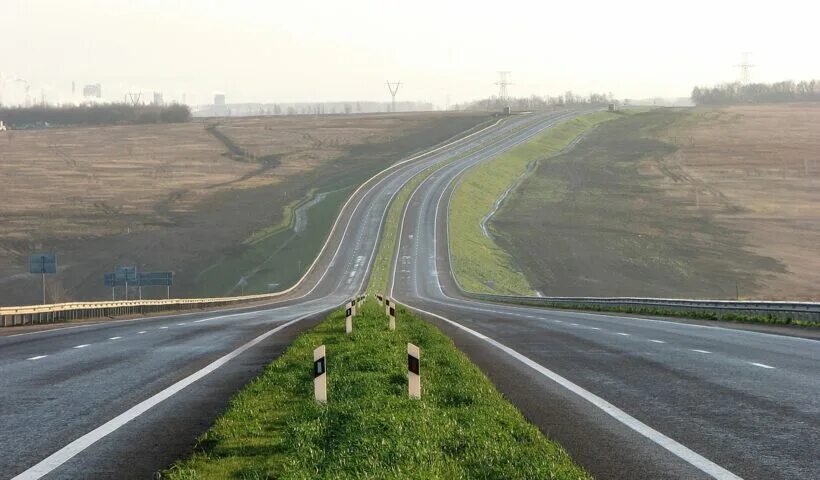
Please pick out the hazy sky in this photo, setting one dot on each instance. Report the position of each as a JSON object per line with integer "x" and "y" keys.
{"x": 276, "y": 51}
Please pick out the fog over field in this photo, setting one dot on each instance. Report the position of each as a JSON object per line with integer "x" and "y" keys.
{"x": 442, "y": 52}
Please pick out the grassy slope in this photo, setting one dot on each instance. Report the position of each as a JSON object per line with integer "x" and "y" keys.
{"x": 461, "y": 428}
{"x": 477, "y": 261}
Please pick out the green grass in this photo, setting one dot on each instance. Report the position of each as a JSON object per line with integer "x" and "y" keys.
{"x": 479, "y": 263}
{"x": 461, "y": 428}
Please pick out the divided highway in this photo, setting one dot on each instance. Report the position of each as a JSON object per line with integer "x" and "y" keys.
{"x": 628, "y": 397}
{"x": 122, "y": 399}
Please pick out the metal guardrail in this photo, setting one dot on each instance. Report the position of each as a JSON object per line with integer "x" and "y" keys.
{"x": 59, "y": 312}
{"x": 809, "y": 311}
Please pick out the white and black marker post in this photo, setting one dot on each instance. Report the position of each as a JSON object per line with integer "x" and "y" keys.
{"x": 349, "y": 320}
{"x": 386, "y": 306}
{"x": 413, "y": 375}
{"x": 320, "y": 375}
{"x": 392, "y": 323}
{"x": 353, "y": 306}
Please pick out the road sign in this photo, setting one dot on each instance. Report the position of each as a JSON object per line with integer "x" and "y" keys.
{"x": 43, "y": 263}
{"x": 111, "y": 280}
{"x": 150, "y": 279}
{"x": 127, "y": 275}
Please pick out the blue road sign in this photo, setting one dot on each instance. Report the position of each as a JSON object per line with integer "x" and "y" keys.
{"x": 127, "y": 275}
{"x": 111, "y": 280}
{"x": 148, "y": 279}
{"x": 43, "y": 263}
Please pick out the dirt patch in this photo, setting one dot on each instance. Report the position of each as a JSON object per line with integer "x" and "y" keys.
{"x": 174, "y": 197}
{"x": 675, "y": 203}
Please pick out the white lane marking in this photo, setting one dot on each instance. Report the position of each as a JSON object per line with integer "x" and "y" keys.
{"x": 699, "y": 351}
{"x": 82, "y": 346}
{"x": 180, "y": 324}
{"x": 141, "y": 332}
{"x": 656, "y": 341}
{"x": 38, "y": 357}
{"x": 47, "y": 465}
{"x": 203, "y": 320}
{"x": 558, "y": 321}
{"x": 163, "y": 328}
{"x": 693, "y": 458}
{"x": 622, "y": 334}
{"x": 115, "y": 338}
{"x": 593, "y": 328}
{"x": 761, "y": 365}
{"x": 574, "y": 324}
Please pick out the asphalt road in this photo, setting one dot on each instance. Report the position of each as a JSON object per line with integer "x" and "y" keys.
{"x": 123, "y": 399}
{"x": 628, "y": 397}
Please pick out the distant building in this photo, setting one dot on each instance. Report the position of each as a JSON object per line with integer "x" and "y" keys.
{"x": 158, "y": 101}
{"x": 219, "y": 99}
{"x": 93, "y": 91}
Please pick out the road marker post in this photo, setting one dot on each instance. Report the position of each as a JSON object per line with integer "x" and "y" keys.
{"x": 392, "y": 324}
{"x": 386, "y": 306}
{"x": 348, "y": 320}
{"x": 353, "y": 306}
{"x": 413, "y": 375}
{"x": 319, "y": 375}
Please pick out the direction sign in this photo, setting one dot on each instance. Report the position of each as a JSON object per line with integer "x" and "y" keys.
{"x": 111, "y": 280}
{"x": 148, "y": 279}
{"x": 127, "y": 275}
{"x": 43, "y": 263}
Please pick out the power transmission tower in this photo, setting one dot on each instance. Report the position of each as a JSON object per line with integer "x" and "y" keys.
{"x": 394, "y": 89}
{"x": 745, "y": 69}
{"x": 503, "y": 82}
{"x": 134, "y": 97}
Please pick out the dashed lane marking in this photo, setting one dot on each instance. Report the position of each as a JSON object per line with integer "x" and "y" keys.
{"x": 115, "y": 338}
{"x": 699, "y": 351}
{"x": 761, "y": 365}
{"x": 38, "y": 357}
{"x": 656, "y": 341}
{"x": 82, "y": 346}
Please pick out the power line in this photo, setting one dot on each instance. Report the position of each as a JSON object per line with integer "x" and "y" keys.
{"x": 394, "y": 89}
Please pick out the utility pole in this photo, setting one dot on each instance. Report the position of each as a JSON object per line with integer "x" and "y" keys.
{"x": 394, "y": 89}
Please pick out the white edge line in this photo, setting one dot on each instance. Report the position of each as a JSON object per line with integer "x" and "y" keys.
{"x": 38, "y": 357}
{"x": 82, "y": 346}
{"x": 53, "y": 461}
{"x": 693, "y": 458}
{"x": 699, "y": 351}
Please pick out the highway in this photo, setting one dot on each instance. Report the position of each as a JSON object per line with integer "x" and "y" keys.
{"x": 628, "y": 397}
{"x": 125, "y": 398}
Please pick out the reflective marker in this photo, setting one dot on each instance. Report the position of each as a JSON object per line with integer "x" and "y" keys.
{"x": 413, "y": 375}
{"x": 319, "y": 375}
{"x": 348, "y": 320}
{"x": 392, "y": 312}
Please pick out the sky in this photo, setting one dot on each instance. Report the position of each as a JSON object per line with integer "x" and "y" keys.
{"x": 442, "y": 51}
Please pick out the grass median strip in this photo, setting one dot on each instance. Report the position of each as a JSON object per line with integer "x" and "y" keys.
{"x": 461, "y": 428}
{"x": 479, "y": 263}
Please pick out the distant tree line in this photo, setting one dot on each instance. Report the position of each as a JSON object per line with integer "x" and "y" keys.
{"x": 736, "y": 93}
{"x": 94, "y": 114}
{"x": 535, "y": 102}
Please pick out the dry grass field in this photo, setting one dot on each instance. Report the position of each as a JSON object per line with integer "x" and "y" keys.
{"x": 755, "y": 169}
{"x": 172, "y": 197}
{"x": 682, "y": 203}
